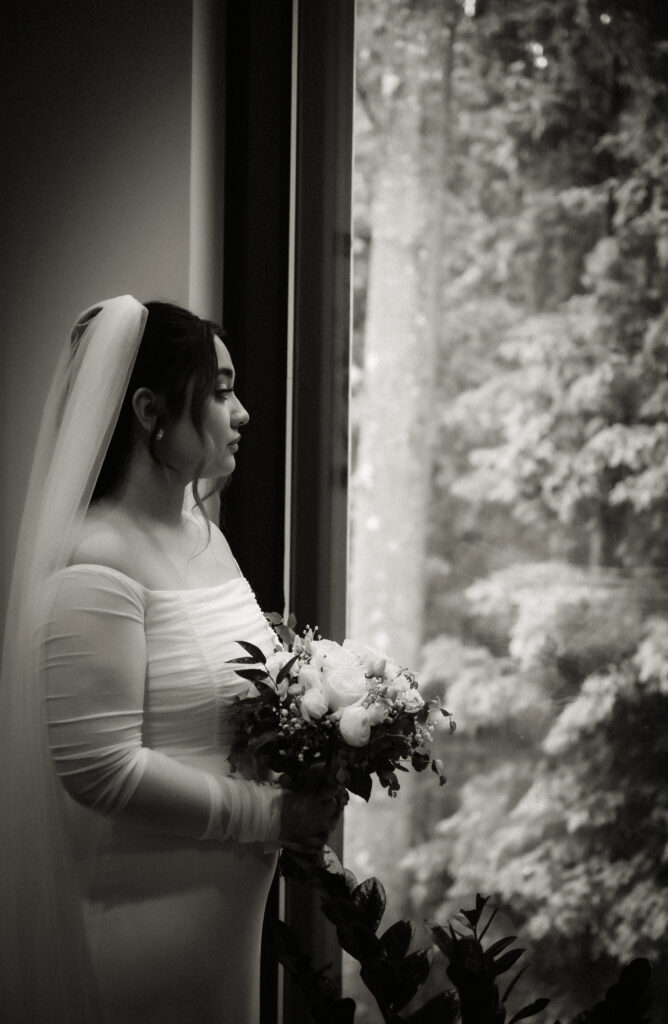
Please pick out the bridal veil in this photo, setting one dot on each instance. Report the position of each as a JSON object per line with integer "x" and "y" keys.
{"x": 45, "y": 973}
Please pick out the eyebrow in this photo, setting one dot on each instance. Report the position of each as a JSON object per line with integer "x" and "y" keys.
{"x": 222, "y": 371}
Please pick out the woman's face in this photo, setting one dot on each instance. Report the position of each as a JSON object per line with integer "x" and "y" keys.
{"x": 223, "y": 415}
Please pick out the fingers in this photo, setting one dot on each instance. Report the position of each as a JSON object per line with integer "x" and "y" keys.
{"x": 308, "y": 818}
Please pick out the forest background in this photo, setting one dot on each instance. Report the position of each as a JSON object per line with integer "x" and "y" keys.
{"x": 510, "y": 466}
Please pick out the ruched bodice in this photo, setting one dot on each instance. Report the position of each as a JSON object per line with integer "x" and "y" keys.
{"x": 136, "y": 680}
{"x": 191, "y": 638}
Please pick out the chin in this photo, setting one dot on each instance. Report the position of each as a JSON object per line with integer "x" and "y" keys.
{"x": 217, "y": 477}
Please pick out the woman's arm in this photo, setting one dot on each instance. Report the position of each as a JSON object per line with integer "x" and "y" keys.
{"x": 94, "y": 664}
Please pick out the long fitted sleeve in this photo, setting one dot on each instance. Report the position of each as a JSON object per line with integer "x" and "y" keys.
{"x": 94, "y": 662}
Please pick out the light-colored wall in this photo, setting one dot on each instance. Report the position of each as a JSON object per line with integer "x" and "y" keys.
{"x": 95, "y": 190}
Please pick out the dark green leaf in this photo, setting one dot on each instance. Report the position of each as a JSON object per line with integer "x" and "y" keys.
{"x": 410, "y": 974}
{"x": 472, "y": 916}
{"x": 359, "y": 783}
{"x": 420, "y": 760}
{"x": 498, "y": 947}
{"x": 379, "y": 977}
{"x": 505, "y": 962}
{"x": 437, "y": 767}
{"x": 255, "y": 675}
{"x": 446, "y": 941}
{"x": 338, "y": 909}
{"x": 358, "y": 940}
{"x": 369, "y": 899}
{"x": 489, "y": 921}
{"x": 285, "y": 671}
{"x": 417, "y": 966}
{"x": 273, "y": 618}
{"x": 530, "y": 1011}
{"x": 254, "y": 651}
{"x": 397, "y": 939}
{"x": 629, "y": 1000}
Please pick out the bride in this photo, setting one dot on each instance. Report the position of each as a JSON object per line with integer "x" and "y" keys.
{"x": 135, "y": 869}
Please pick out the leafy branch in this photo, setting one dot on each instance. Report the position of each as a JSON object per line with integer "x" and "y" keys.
{"x": 394, "y": 973}
{"x": 391, "y": 971}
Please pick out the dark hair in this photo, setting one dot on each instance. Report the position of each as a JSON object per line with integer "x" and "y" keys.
{"x": 176, "y": 348}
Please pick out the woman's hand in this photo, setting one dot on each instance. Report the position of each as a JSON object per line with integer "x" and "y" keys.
{"x": 307, "y": 818}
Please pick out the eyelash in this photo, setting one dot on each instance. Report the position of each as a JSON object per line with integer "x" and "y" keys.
{"x": 223, "y": 392}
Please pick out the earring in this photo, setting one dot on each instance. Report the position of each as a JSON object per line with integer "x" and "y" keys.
{"x": 160, "y": 434}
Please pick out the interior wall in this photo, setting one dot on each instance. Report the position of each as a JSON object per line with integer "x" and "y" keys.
{"x": 94, "y": 189}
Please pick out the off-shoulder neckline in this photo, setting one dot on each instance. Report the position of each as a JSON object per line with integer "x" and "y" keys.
{"x": 151, "y": 590}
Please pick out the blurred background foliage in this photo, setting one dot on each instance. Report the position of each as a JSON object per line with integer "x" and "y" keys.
{"x": 538, "y": 139}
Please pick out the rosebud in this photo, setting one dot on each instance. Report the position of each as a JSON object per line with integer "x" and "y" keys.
{"x": 374, "y": 664}
{"x": 355, "y": 726}
{"x": 313, "y": 704}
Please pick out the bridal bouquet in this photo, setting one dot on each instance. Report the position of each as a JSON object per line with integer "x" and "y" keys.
{"x": 320, "y": 713}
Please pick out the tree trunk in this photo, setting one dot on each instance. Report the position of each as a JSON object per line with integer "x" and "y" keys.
{"x": 390, "y": 483}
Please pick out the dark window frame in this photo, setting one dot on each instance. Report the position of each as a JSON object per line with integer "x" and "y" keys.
{"x": 288, "y": 170}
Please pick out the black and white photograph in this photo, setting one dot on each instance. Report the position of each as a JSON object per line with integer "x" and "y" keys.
{"x": 334, "y": 505}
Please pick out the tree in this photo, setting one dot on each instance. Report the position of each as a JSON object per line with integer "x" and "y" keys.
{"x": 559, "y": 435}
{"x": 547, "y": 333}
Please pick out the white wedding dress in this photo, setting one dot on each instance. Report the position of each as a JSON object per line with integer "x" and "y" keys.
{"x": 134, "y": 679}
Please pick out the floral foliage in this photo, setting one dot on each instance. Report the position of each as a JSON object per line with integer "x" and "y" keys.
{"x": 319, "y": 713}
{"x": 395, "y": 972}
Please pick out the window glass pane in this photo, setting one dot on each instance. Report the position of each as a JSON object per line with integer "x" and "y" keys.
{"x": 509, "y": 423}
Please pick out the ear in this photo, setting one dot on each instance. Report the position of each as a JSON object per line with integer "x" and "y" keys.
{"x": 146, "y": 407}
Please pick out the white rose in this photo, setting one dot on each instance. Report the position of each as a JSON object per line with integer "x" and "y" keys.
{"x": 412, "y": 700}
{"x": 313, "y": 704}
{"x": 309, "y": 676}
{"x": 323, "y": 651}
{"x": 354, "y": 726}
{"x": 341, "y": 674}
{"x": 277, "y": 660}
{"x": 378, "y": 712}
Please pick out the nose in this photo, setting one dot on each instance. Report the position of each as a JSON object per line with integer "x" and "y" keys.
{"x": 241, "y": 415}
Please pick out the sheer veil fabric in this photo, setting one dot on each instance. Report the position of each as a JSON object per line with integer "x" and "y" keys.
{"x": 45, "y": 973}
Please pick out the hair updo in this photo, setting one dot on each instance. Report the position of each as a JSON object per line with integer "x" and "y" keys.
{"x": 176, "y": 349}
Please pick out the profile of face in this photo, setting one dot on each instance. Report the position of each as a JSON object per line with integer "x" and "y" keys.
{"x": 223, "y": 417}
